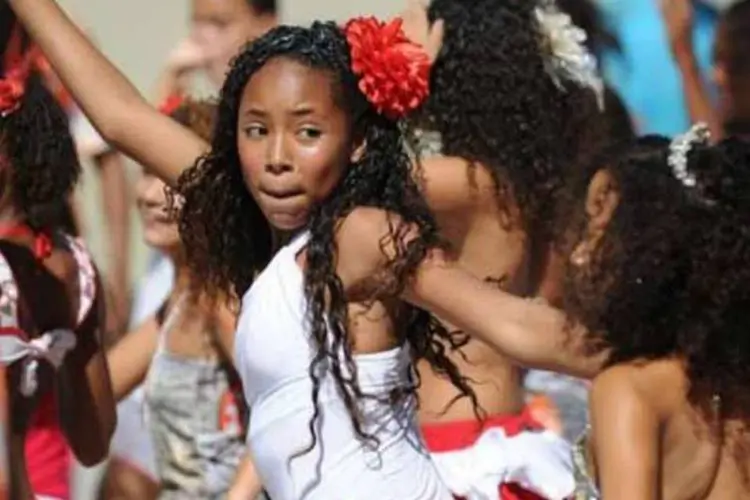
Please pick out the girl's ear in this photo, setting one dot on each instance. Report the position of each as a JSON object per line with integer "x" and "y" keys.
{"x": 602, "y": 199}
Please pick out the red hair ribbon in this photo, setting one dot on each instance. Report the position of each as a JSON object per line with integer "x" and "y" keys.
{"x": 393, "y": 71}
{"x": 171, "y": 104}
{"x": 43, "y": 245}
{"x": 17, "y": 68}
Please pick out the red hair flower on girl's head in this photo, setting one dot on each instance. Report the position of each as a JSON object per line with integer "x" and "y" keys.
{"x": 17, "y": 66}
{"x": 393, "y": 71}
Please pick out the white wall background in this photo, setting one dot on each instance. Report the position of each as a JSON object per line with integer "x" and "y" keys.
{"x": 305, "y": 11}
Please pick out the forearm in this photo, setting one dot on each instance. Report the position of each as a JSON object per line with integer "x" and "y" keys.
{"x": 533, "y": 334}
{"x": 116, "y": 198}
{"x": 86, "y": 407}
{"x": 697, "y": 97}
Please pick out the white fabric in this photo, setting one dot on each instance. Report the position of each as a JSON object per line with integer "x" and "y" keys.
{"x": 52, "y": 347}
{"x": 540, "y": 462}
{"x": 88, "y": 141}
{"x": 273, "y": 351}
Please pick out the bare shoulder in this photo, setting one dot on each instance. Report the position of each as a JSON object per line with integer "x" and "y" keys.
{"x": 452, "y": 183}
{"x": 365, "y": 243}
{"x": 653, "y": 386}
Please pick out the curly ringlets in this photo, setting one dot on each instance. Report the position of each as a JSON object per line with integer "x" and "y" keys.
{"x": 40, "y": 157}
{"x": 494, "y": 104}
{"x": 671, "y": 276}
{"x": 228, "y": 240}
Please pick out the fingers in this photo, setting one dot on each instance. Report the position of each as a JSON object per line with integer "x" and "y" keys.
{"x": 435, "y": 40}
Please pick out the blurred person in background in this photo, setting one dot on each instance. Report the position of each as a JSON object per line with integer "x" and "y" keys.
{"x": 192, "y": 440}
{"x": 560, "y": 401}
{"x": 727, "y": 111}
{"x": 642, "y": 72}
{"x": 218, "y": 30}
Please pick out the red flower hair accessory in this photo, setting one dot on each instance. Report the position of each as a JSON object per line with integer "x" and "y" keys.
{"x": 171, "y": 104}
{"x": 393, "y": 71}
{"x": 17, "y": 68}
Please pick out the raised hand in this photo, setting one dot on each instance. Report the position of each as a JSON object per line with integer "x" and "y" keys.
{"x": 678, "y": 21}
{"x": 187, "y": 56}
{"x": 418, "y": 29}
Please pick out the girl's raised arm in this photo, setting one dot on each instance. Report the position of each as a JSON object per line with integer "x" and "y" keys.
{"x": 115, "y": 107}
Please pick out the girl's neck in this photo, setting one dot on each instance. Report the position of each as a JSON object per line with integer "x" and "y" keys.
{"x": 282, "y": 238}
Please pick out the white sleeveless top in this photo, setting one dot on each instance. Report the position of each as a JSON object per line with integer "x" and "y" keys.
{"x": 273, "y": 351}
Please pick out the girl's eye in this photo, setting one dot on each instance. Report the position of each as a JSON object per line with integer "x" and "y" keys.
{"x": 310, "y": 133}
{"x": 255, "y": 131}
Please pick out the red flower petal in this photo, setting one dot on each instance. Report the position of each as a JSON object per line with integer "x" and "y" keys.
{"x": 393, "y": 71}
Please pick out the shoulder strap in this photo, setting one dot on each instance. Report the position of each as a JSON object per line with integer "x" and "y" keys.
{"x": 86, "y": 275}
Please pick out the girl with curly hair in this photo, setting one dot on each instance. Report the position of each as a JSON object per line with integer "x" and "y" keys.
{"x": 656, "y": 293}
{"x": 52, "y": 301}
{"x": 512, "y": 110}
{"x": 307, "y": 154}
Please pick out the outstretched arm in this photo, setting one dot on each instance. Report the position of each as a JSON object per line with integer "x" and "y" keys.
{"x": 533, "y": 334}
{"x": 114, "y": 106}
{"x": 84, "y": 391}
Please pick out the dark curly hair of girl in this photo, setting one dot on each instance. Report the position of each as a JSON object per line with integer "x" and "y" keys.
{"x": 228, "y": 240}
{"x": 671, "y": 276}
{"x": 40, "y": 162}
{"x": 494, "y": 103}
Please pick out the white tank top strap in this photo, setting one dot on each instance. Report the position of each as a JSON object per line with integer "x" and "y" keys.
{"x": 86, "y": 275}
{"x": 172, "y": 314}
{"x": 297, "y": 243}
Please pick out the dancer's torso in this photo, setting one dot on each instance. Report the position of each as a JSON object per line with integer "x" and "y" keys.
{"x": 492, "y": 247}
{"x": 273, "y": 352}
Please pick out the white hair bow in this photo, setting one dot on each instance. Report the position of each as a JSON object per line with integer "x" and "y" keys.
{"x": 52, "y": 347}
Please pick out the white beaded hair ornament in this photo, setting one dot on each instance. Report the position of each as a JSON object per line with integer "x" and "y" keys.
{"x": 679, "y": 149}
{"x": 569, "y": 58}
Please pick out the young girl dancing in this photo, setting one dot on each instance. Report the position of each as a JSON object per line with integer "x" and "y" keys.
{"x": 655, "y": 291}
{"x": 512, "y": 109}
{"x": 52, "y": 303}
{"x": 660, "y": 283}
{"x": 307, "y": 137}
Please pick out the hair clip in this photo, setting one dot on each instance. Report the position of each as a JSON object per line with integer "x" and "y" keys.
{"x": 679, "y": 149}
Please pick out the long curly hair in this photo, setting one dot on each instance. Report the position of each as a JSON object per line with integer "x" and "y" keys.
{"x": 40, "y": 162}
{"x": 229, "y": 241}
{"x": 671, "y": 276}
{"x": 495, "y": 104}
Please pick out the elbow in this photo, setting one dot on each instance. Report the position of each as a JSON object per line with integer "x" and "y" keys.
{"x": 93, "y": 447}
